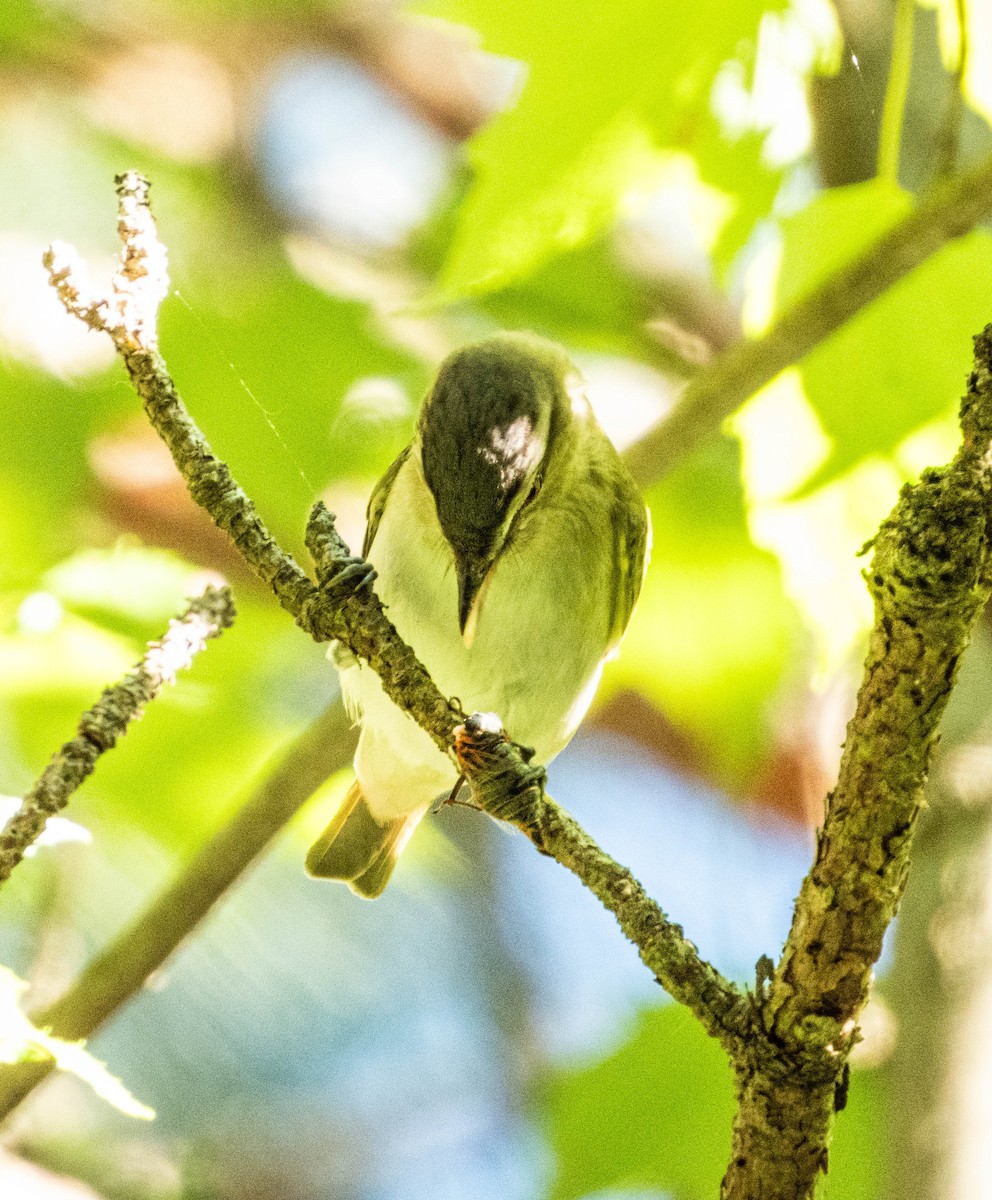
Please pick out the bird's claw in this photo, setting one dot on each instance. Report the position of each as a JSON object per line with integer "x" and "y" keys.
{"x": 351, "y": 574}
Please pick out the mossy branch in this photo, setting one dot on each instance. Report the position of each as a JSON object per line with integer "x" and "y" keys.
{"x": 101, "y": 726}
{"x": 930, "y": 578}
{"x": 342, "y": 606}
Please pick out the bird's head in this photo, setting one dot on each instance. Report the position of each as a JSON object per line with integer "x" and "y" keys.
{"x": 487, "y": 431}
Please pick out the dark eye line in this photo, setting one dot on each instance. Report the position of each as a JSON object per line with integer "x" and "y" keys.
{"x": 535, "y": 487}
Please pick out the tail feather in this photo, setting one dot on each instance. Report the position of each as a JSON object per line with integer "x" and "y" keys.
{"x": 358, "y": 849}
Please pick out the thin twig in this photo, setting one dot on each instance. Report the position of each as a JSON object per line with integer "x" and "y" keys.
{"x": 486, "y": 755}
{"x": 122, "y": 969}
{"x": 950, "y": 210}
{"x": 101, "y": 726}
{"x": 342, "y": 605}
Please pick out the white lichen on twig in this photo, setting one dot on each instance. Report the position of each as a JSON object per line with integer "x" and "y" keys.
{"x": 101, "y": 726}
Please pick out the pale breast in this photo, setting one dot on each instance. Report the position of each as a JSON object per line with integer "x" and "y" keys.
{"x": 541, "y": 638}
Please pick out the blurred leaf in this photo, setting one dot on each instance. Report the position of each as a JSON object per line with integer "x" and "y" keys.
{"x": 130, "y": 588}
{"x": 901, "y": 361}
{"x": 736, "y": 166}
{"x": 657, "y": 1112}
{"x": 180, "y": 767}
{"x": 976, "y": 84}
{"x": 264, "y": 376}
{"x": 70, "y": 662}
{"x": 713, "y": 633}
{"x": 583, "y": 298}
{"x": 44, "y": 474}
{"x": 817, "y": 537}
{"x": 20, "y": 1041}
{"x": 29, "y": 28}
{"x": 858, "y": 1164}
{"x": 551, "y": 169}
{"x": 978, "y": 58}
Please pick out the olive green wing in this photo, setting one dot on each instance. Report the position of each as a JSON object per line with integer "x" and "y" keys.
{"x": 377, "y": 501}
{"x": 631, "y": 552}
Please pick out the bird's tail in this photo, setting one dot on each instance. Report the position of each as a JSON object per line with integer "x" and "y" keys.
{"x": 359, "y": 849}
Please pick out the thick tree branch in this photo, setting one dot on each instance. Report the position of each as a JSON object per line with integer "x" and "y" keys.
{"x": 343, "y": 606}
{"x": 122, "y": 969}
{"x": 949, "y": 211}
{"x": 101, "y": 726}
{"x": 930, "y": 577}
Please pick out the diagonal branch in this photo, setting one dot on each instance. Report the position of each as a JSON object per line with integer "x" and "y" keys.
{"x": 101, "y": 726}
{"x": 343, "y": 606}
{"x": 123, "y": 967}
{"x": 950, "y": 210}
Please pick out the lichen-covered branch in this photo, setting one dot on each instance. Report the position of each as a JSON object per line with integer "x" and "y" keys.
{"x": 950, "y": 210}
{"x": 124, "y": 966}
{"x": 101, "y": 726}
{"x": 342, "y": 605}
{"x": 514, "y": 793}
{"x": 930, "y": 577}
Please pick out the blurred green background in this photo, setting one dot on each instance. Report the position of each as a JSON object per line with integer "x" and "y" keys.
{"x": 348, "y": 191}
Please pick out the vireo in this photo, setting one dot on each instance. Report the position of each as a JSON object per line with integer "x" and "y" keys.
{"x": 510, "y": 544}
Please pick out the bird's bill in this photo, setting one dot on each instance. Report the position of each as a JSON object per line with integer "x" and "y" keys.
{"x": 473, "y": 579}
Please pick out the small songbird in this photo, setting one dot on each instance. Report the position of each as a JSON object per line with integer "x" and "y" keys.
{"x": 510, "y": 544}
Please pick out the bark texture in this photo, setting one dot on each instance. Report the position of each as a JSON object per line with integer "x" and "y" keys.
{"x": 929, "y": 578}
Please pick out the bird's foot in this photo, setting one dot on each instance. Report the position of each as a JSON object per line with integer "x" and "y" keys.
{"x": 476, "y": 741}
{"x": 337, "y": 570}
{"x": 348, "y": 575}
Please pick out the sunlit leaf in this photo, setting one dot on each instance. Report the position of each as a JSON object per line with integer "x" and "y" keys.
{"x": 129, "y": 587}
{"x": 265, "y": 379}
{"x": 584, "y": 298}
{"x": 552, "y": 169}
{"x": 975, "y": 39}
{"x": 901, "y": 361}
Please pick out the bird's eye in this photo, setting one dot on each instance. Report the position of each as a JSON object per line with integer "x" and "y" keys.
{"x": 535, "y": 487}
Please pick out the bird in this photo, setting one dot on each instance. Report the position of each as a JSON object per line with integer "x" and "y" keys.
{"x": 510, "y": 543}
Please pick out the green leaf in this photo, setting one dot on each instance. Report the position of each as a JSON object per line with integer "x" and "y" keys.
{"x": 901, "y": 361}
{"x": 129, "y": 588}
{"x": 713, "y": 633}
{"x": 264, "y": 370}
{"x": 858, "y": 1166}
{"x": 605, "y": 86}
{"x": 21, "y": 1041}
{"x": 45, "y": 470}
{"x": 583, "y": 298}
{"x": 656, "y": 1113}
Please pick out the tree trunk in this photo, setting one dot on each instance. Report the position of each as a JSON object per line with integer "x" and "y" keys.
{"x": 780, "y": 1136}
